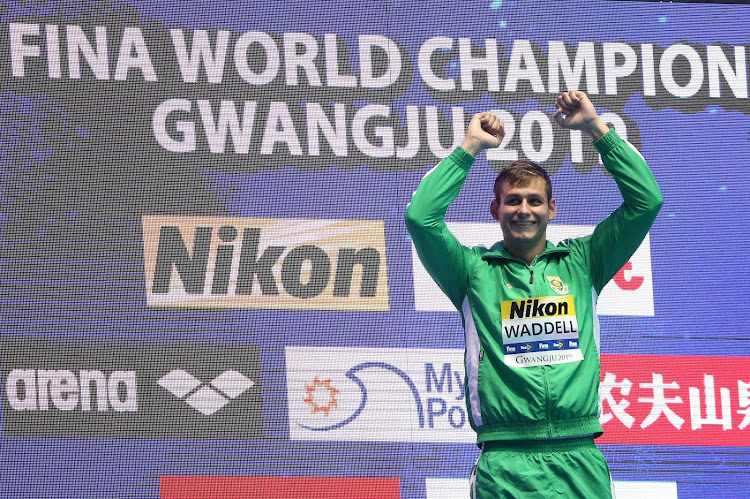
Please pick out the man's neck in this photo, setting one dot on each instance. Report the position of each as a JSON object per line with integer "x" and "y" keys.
{"x": 527, "y": 254}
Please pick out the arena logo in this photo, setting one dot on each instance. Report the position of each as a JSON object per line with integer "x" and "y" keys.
{"x": 265, "y": 263}
{"x": 402, "y": 395}
{"x": 206, "y": 400}
{"x": 33, "y": 390}
{"x": 130, "y": 390}
{"x": 630, "y": 292}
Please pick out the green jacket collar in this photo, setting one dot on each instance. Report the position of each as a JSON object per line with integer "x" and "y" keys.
{"x": 498, "y": 251}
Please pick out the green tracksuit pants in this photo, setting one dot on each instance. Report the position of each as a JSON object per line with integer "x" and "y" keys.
{"x": 567, "y": 468}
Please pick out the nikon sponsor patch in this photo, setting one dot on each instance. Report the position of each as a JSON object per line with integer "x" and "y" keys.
{"x": 540, "y": 331}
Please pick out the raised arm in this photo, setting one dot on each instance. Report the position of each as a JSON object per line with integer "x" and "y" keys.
{"x": 617, "y": 237}
{"x": 440, "y": 252}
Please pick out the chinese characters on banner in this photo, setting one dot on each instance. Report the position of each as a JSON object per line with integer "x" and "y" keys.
{"x": 675, "y": 400}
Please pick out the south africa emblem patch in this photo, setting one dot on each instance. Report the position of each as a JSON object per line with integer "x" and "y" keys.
{"x": 557, "y": 285}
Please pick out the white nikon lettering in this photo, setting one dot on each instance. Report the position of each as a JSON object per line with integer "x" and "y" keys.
{"x": 32, "y": 390}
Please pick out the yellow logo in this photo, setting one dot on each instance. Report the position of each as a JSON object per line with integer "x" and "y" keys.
{"x": 272, "y": 263}
{"x": 537, "y": 307}
{"x": 557, "y": 285}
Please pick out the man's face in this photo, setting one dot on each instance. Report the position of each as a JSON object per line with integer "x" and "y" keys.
{"x": 523, "y": 213}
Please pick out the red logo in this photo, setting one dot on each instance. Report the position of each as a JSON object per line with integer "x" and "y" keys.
{"x": 313, "y": 398}
{"x": 675, "y": 400}
{"x": 268, "y": 487}
{"x": 627, "y": 283}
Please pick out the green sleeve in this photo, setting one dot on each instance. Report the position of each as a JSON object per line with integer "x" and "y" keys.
{"x": 617, "y": 237}
{"x": 440, "y": 252}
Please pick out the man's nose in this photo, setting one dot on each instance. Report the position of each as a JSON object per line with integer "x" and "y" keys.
{"x": 524, "y": 207}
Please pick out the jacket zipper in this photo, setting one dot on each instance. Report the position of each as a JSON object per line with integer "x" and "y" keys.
{"x": 547, "y": 402}
{"x": 544, "y": 368}
{"x": 531, "y": 268}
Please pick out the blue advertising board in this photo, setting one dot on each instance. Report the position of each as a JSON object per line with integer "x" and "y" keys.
{"x": 206, "y": 277}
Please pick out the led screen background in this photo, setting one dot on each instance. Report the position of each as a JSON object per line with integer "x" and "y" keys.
{"x": 206, "y": 278}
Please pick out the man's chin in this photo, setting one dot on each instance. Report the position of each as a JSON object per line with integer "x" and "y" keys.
{"x": 524, "y": 239}
{"x": 526, "y": 236}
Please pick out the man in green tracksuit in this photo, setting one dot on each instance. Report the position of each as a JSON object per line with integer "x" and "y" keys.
{"x": 528, "y": 308}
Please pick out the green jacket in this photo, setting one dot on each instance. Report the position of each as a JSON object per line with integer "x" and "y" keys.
{"x": 532, "y": 343}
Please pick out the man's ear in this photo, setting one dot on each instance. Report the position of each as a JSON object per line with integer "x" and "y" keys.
{"x": 552, "y": 208}
{"x": 494, "y": 207}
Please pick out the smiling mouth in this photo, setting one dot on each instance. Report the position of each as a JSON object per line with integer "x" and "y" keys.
{"x": 524, "y": 224}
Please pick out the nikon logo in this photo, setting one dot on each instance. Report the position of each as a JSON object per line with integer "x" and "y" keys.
{"x": 533, "y": 308}
{"x": 549, "y": 306}
{"x": 45, "y": 389}
{"x": 265, "y": 263}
